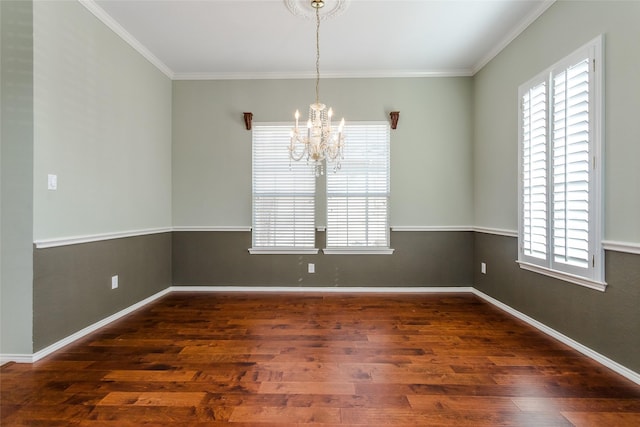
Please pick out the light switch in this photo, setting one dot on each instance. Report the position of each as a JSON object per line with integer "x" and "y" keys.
{"x": 52, "y": 182}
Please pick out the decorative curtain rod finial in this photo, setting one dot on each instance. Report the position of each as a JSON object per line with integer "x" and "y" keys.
{"x": 395, "y": 115}
{"x": 247, "y": 120}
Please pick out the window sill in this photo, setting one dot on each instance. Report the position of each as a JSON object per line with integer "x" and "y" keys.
{"x": 283, "y": 251}
{"x": 582, "y": 281}
{"x": 357, "y": 251}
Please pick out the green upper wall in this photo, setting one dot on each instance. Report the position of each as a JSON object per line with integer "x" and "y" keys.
{"x": 133, "y": 150}
{"x": 564, "y": 27}
{"x": 431, "y": 164}
{"x": 102, "y": 125}
{"x": 16, "y": 155}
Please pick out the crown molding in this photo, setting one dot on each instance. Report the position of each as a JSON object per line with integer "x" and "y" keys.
{"x": 374, "y": 74}
{"x": 111, "y": 23}
{"x": 528, "y": 20}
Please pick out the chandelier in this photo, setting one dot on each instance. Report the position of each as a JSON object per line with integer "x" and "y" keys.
{"x": 319, "y": 143}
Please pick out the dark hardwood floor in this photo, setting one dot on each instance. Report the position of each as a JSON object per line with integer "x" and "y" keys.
{"x": 309, "y": 359}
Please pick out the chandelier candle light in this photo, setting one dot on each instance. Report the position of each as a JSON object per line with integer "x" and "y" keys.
{"x": 320, "y": 143}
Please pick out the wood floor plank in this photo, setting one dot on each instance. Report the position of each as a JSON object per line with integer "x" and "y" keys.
{"x": 304, "y": 387}
{"x": 462, "y": 403}
{"x": 466, "y": 418}
{"x": 285, "y": 415}
{"x": 150, "y": 375}
{"x": 170, "y": 398}
{"x": 586, "y": 419}
{"x": 199, "y": 359}
{"x": 577, "y": 404}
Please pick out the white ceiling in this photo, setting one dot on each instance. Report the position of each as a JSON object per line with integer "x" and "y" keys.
{"x": 370, "y": 38}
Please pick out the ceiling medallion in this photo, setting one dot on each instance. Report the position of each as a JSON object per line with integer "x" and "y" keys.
{"x": 304, "y": 9}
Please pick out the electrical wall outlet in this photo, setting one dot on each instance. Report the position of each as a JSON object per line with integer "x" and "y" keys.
{"x": 483, "y": 268}
{"x": 114, "y": 282}
{"x": 311, "y": 268}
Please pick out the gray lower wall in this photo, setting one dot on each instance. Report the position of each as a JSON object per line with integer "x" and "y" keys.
{"x": 607, "y": 322}
{"x": 72, "y": 284}
{"x": 420, "y": 259}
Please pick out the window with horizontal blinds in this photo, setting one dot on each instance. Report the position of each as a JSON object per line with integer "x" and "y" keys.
{"x": 560, "y": 132}
{"x": 283, "y": 192}
{"x": 534, "y": 161}
{"x": 358, "y": 193}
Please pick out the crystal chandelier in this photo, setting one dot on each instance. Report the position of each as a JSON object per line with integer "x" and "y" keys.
{"x": 319, "y": 143}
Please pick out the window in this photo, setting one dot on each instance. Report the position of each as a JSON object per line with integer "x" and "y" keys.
{"x": 560, "y": 221}
{"x": 358, "y": 194}
{"x": 283, "y": 195}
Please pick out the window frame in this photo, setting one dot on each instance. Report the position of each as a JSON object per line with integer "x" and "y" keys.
{"x": 591, "y": 276}
{"x": 301, "y": 168}
{"x": 369, "y": 250}
{"x": 365, "y": 249}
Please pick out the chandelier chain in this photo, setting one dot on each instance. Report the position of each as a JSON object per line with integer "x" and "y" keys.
{"x": 320, "y": 142}
{"x": 317, "y": 55}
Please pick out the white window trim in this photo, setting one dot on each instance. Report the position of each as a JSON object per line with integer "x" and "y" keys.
{"x": 566, "y": 277}
{"x": 596, "y": 232}
{"x": 274, "y": 250}
{"x": 282, "y": 251}
{"x": 366, "y": 250}
{"x": 358, "y": 251}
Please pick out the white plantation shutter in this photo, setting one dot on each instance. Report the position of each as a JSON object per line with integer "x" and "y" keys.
{"x": 358, "y": 194}
{"x": 560, "y": 224}
{"x": 571, "y": 165}
{"x": 534, "y": 162}
{"x": 283, "y": 192}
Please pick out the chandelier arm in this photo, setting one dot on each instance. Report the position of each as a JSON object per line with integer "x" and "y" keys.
{"x": 296, "y": 157}
{"x": 298, "y": 148}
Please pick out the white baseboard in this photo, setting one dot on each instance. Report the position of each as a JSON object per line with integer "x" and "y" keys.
{"x": 18, "y": 358}
{"x": 92, "y": 328}
{"x": 31, "y": 358}
{"x": 325, "y": 289}
{"x": 603, "y": 360}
